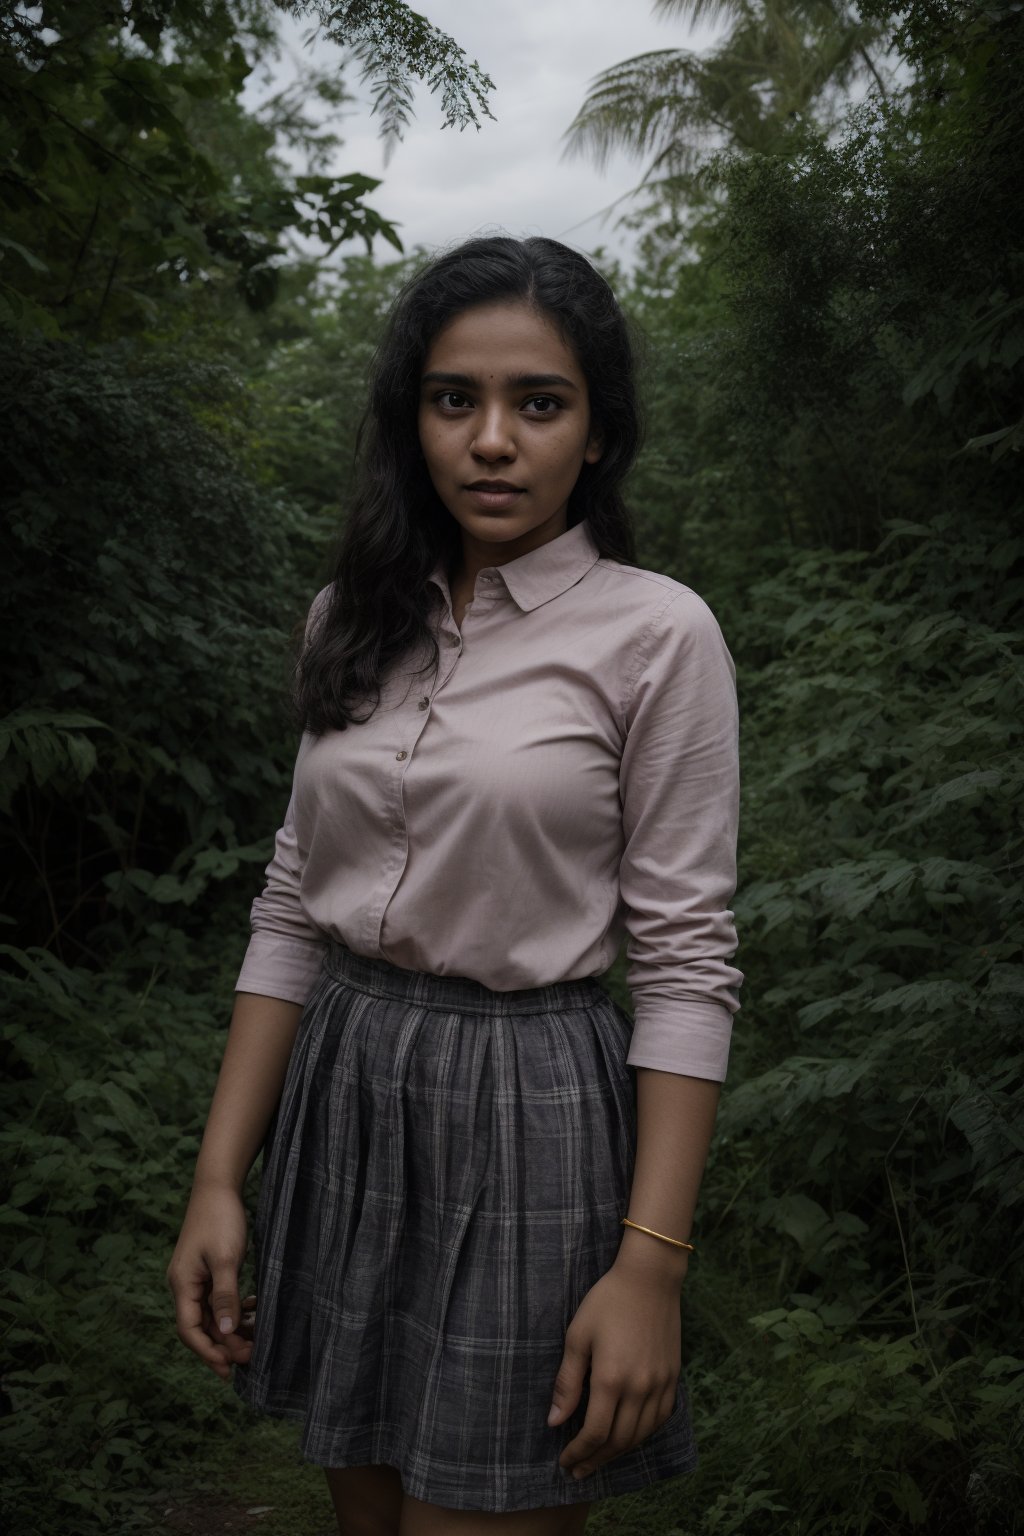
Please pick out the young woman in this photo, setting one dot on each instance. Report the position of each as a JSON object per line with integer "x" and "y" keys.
{"x": 480, "y": 1173}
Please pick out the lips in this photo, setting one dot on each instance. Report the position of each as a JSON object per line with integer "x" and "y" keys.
{"x": 494, "y": 495}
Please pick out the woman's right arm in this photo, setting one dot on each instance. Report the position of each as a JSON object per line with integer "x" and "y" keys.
{"x": 285, "y": 952}
{"x": 203, "y": 1273}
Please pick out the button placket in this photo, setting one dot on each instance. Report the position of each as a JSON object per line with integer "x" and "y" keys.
{"x": 399, "y": 838}
{"x": 452, "y": 643}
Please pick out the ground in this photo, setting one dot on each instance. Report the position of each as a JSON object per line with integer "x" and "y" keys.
{"x": 258, "y": 1482}
{"x": 254, "y": 1481}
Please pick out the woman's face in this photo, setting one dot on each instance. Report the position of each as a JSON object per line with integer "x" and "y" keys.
{"x": 504, "y": 423}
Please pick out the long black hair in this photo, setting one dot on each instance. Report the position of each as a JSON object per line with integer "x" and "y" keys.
{"x": 378, "y": 605}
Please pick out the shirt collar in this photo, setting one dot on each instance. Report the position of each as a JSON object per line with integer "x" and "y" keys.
{"x": 545, "y": 572}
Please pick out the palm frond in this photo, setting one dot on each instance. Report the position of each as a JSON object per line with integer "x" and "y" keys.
{"x": 776, "y": 64}
{"x": 636, "y": 106}
{"x": 697, "y": 11}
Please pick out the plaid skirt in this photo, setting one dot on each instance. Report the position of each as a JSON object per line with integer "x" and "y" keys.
{"x": 443, "y": 1182}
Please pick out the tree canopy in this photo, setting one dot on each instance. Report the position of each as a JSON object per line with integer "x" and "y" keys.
{"x": 133, "y": 172}
{"x": 776, "y": 73}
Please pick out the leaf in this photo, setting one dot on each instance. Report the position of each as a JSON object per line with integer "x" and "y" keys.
{"x": 800, "y": 1218}
{"x": 909, "y": 1498}
{"x": 1003, "y": 1365}
{"x": 30, "y": 260}
{"x": 197, "y": 774}
{"x": 1007, "y": 437}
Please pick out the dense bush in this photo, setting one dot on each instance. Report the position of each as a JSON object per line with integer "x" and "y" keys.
{"x": 106, "y": 1074}
{"x": 146, "y": 585}
{"x": 868, "y": 1178}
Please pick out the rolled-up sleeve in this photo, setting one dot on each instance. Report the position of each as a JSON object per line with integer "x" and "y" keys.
{"x": 679, "y": 786}
{"x": 286, "y": 949}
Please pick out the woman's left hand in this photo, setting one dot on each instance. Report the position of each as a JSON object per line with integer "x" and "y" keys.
{"x": 627, "y": 1329}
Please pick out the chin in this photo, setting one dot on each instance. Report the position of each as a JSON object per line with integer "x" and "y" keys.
{"x": 498, "y": 526}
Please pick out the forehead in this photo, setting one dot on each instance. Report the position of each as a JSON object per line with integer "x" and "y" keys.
{"x": 512, "y": 336}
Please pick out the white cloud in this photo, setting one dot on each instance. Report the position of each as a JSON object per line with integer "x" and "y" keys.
{"x": 441, "y": 186}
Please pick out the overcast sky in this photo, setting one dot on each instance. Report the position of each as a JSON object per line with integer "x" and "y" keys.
{"x": 440, "y": 187}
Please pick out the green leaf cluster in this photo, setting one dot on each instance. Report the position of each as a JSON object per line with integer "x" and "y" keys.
{"x": 104, "y": 1073}
{"x": 145, "y": 688}
{"x": 133, "y": 174}
{"x": 397, "y": 46}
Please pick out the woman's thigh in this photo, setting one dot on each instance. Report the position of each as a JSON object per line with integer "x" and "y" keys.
{"x": 422, "y": 1519}
{"x": 367, "y": 1500}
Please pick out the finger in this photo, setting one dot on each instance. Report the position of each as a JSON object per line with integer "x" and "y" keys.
{"x": 224, "y": 1300}
{"x": 248, "y": 1322}
{"x": 568, "y": 1387}
{"x": 188, "y": 1307}
{"x": 239, "y": 1350}
{"x": 596, "y": 1427}
{"x": 620, "y": 1438}
{"x": 237, "y": 1346}
{"x": 652, "y": 1415}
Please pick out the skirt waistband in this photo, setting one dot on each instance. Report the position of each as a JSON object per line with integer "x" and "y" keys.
{"x": 455, "y": 993}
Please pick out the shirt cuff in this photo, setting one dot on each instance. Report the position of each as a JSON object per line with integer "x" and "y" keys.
{"x": 685, "y": 1036}
{"x": 283, "y": 968}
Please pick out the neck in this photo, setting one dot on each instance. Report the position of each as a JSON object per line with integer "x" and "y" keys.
{"x": 476, "y": 555}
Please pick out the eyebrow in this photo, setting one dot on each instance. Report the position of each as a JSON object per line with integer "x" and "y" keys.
{"x": 513, "y": 381}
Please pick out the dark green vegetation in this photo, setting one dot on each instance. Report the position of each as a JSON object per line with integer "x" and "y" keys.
{"x": 835, "y": 399}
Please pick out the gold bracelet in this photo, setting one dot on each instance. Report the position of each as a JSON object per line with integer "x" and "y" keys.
{"x": 675, "y": 1241}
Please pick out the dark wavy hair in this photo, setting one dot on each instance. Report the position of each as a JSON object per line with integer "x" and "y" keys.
{"x": 379, "y": 603}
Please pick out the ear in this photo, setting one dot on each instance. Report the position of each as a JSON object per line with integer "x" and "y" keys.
{"x": 594, "y": 448}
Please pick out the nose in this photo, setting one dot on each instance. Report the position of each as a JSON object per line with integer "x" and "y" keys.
{"x": 494, "y": 438}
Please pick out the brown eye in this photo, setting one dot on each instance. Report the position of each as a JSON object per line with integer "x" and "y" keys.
{"x": 542, "y": 405}
{"x": 452, "y": 400}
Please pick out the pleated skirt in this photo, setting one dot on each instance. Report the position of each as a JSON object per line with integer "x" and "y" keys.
{"x": 443, "y": 1182}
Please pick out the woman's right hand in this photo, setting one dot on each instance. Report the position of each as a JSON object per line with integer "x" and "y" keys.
{"x": 203, "y": 1277}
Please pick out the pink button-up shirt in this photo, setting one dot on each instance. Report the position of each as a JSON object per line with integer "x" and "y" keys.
{"x": 568, "y": 773}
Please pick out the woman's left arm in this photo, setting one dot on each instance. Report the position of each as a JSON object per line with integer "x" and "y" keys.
{"x": 628, "y": 1328}
{"x": 679, "y": 783}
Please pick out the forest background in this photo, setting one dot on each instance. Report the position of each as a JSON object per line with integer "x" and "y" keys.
{"x": 829, "y": 282}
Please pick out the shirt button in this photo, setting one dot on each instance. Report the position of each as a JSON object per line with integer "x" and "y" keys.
{"x": 401, "y": 755}
{"x": 424, "y": 704}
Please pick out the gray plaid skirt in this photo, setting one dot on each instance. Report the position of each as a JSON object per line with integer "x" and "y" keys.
{"x": 442, "y": 1184}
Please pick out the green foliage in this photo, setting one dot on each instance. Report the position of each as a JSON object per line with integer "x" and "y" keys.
{"x": 145, "y": 728}
{"x": 869, "y": 1171}
{"x": 113, "y": 201}
{"x": 848, "y": 350}
{"x": 834, "y": 360}
{"x": 396, "y": 45}
{"x": 773, "y": 70}
{"x": 306, "y": 369}
{"x": 106, "y": 1075}
{"x": 132, "y": 173}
